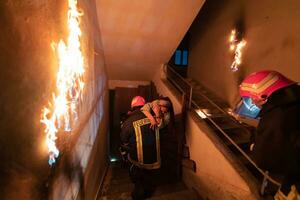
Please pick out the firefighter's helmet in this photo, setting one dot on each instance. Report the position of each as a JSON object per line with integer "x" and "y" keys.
{"x": 137, "y": 101}
{"x": 263, "y": 84}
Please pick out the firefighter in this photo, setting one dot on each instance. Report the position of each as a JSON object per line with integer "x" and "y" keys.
{"x": 137, "y": 103}
{"x": 277, "y": 139}
{"x": 144, "y": 153}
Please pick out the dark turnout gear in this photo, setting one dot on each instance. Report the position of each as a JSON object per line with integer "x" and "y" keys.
{"x": 143, "y": 152}
{"x": 123, "y": 149}
{"x": 143, "y": 142}
{"x": 136, "y": 103}
{"x": 277, "y": 141}
{"x": 144, "y": 181}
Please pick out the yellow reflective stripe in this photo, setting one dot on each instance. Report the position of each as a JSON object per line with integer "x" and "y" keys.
{"x": 141, "y": 122}
{"x": 262, "y": 85}
{"x": 157, "y": 143}
{"x": 138, "y": 137}
{"x": 155, "y": 165}
{"x": 139, "y": 144}
{"x": 138, "y": 134}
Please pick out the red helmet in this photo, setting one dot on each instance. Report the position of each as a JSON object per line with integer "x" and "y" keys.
{"x": 263, "y": 83}
{"x": 137, "y": 101}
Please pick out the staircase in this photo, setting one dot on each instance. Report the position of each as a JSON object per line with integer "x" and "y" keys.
{"x": 117, "y": 186}
{"x": 217, "y": 110}
{"x": 239, "y": 133}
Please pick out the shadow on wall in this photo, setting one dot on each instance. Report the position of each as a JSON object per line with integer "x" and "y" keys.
{"x": 213, "y": 9}
{"x": 206, "y": 16}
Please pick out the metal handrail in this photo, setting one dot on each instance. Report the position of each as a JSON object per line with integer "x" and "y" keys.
{"x": 178, "y": 75}
{"x": 177, "y": 86}
{"x": 237, "y": 146}
{"x": 263, "y": 173}
{"x": 190, "y": 92}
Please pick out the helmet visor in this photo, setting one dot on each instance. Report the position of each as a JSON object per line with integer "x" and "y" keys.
{"x": 247, "y": 108}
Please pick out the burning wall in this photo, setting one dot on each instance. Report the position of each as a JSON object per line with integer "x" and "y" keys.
{"x": 28, "y": 75}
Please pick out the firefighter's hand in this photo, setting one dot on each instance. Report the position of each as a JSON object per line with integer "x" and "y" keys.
{"x": 158, "y": 120}
{"x": 252, "y": 147}
{"x": 153, "y": 123}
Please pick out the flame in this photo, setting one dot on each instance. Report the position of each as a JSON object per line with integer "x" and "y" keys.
{"x": 237, "y": 47}
{"x": 62, "y": 111}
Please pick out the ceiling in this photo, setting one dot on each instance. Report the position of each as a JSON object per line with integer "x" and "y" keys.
{"x": 140, "y": 35}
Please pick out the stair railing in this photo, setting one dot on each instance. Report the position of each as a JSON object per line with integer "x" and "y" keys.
{"x": 181, "y": 84}
{"x": 186, "y": 89}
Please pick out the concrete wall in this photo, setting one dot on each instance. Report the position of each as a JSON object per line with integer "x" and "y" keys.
{"x": 270, "y": 28}
{"x": 27, "y": 79}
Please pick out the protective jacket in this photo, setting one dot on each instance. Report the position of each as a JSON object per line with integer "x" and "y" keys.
{"x": 142, "y": 141}
{"x": 277, "y": 141}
